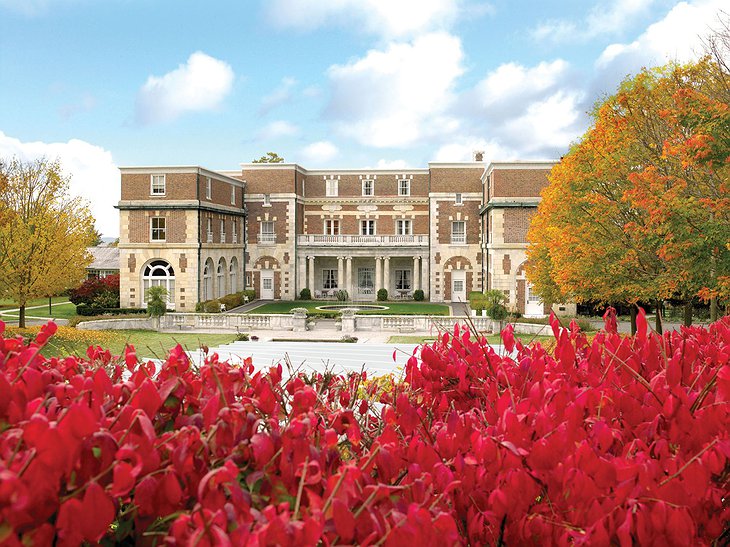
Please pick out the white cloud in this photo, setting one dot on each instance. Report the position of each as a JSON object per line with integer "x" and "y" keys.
{"x": 32, "y": 8}
{"x": 85, "y": 103}
{"x": 463, "y": 148}
{"x": 399, "y": 95}
{"x": 678, "y": 36}
{"x": 389, "y": 18}
{"x": 607, "y": 18}
{"x": 94, "y": 176}
{"x": 318, "y": 153}
{"x": 200, "y": 84}
{"x": 280, "y": 95}
{"x": 392, "y": 164}
{"x": 277, "y": 129}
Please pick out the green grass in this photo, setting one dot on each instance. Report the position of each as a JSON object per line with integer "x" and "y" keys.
{"x": 61, "y": 311}
{"x": 394, "y": 308}
{"x": 6, "y": 303}
{"x": 148, "y": 344}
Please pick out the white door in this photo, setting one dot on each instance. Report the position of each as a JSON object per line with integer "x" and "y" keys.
{"x": 533, "y": 304}
{"x": 267, "y": 284}
{"x": 458, "y": 286}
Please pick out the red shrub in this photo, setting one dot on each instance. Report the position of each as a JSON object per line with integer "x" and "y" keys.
{"x": 615, "y": 441}
{"x": 94, "y": 287}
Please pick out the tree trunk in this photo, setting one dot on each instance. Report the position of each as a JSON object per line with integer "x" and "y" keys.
{"x": 658, "y": 324}
{"x": 713, "y": 310}
{"x": 633, "y": 320}
{"x": 688, "y": 313}
{"x": 21, "y": 317}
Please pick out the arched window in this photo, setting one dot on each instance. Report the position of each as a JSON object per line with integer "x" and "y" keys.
{"x": 233, "y": 275}
{"x": 208, "y": 280}
{"x": 221, "y": 278}
{"x": 159, "y": 273}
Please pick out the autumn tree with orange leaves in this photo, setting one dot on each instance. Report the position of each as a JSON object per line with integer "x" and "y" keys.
{"x": 639, "y": 209}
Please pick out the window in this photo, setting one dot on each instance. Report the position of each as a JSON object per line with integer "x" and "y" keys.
{"x": 208, "y": 188}
{"x": 457, "y": 199}
{"x": 329, "y": 279}
{"x": 458, "y": 231}
{"x": 331, "y": 189}
{"x": 368, "y": 187}
{"x": 332, "y": 227}
{"x": 233, "y": 195}
{"x": 157, "y": 225}
{"x": 159, "y": 273}
{"x": 267, "y": 235}
{"x": 210, "y": 230}
{"x": 223, "y": 231}
{"x": 157, "y": 185}
{"x": 367, "y": 227}
{"x": 365, "y": 280}
{"x": 234, "y": 231}
{"x": 404, "y": 187}
{"x": 267, "y": 200}
{"x": 403, "y": 280}
{"x": 403, "y": 227}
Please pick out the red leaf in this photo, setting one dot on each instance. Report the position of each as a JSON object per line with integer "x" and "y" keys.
{"x": 344, "y": 521}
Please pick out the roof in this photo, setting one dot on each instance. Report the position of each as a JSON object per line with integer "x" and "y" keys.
{"x": 105, "y": 258}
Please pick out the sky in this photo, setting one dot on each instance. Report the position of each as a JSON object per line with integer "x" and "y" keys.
{"x": 101, "y": 84}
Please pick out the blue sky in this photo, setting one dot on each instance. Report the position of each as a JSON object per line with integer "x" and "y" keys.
{"x": 324, "y": 83}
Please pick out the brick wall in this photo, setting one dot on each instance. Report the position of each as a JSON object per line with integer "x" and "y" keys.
{"x": 518, "y": 182}
{"x": 516, "y": 223}
{"x": 269, "y": 181}
{"x": 178, "y": 186}
{"x": 448, "y": 211}
{"x": 277, "y": 213}
{"x": 139, "y": 225}
{"x": 456, "y": 179}
{"x": 350, "y": 185}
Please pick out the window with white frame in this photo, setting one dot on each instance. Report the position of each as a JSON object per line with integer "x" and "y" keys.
{"x": 367, "y": 227}
{"x": 458, "y": 199}
{"x": 234, "y": 231}
{"x": 267, "y": 235}
{"x": 157, "y": 229}
{"x": 403, "y": 227}
{"x": 157, "y": 185}
{"x": 267, "y": 200}
{"x": 368, "y": 187}
{"x": 329, "y": 279}
{"x": 404, "y": 187}
{"x": 223, "y": 231}
{"x": 403, "y": 280}
{"x": 233, "y": 195}
{"x": 208, "y": 188}
{"x": 331, "y": 188}
{"x": 209, "y": 230}
{"x": 458, "y": 231}
{"x": 332, "y": 227}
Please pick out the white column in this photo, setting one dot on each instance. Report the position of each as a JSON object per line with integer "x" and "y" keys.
{"x": 386, "y": 274}
{"x": 378, "y": 273}
{"x": 340, "y": 272}
{"x": 425, "y": 278}
{"x": 348, "y": 285}
{"x": 310, "y": 284}
{"x": 416, "y": 274}
{"x": 301, "y": 276}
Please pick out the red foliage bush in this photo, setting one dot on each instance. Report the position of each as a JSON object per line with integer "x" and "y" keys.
{"x": 615, "y": 441}
{"x": 94, "y": 287}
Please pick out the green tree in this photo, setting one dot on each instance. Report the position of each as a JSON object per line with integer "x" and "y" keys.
{"x": 44, "y": 232}
{"x": 269, "y": 157}
{"x": 156, "y": 301}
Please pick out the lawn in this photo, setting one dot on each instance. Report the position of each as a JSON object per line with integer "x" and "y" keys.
{"x": 394, "y": 308}
{"x": 6, "y": 303}
{"x": 148, "y": 344}
{"x": 59, "y": 311}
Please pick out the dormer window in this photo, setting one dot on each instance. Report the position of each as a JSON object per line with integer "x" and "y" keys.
{"x": 233, "y": 195}
{"x": 157, "y": 185}
{"x": 267, "y": 200}
{"x": 458, "y": 199}
{"x": 331, "y": 188}
{"x": 208, "y": 188}
{"x": 368, "y": 187}
{"x": 404, "y": 187}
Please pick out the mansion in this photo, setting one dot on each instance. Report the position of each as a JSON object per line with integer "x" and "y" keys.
{"x": 278, "y": 228}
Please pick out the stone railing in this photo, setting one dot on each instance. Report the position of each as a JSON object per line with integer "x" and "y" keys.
{"x": 226, "y": 321}
{"x": 360, "y": 240}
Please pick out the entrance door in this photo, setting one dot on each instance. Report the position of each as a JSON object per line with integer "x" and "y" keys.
{"x": 533, "y": 304}
{"x": 458, "y": 286}
{"x": 267, "y": 284}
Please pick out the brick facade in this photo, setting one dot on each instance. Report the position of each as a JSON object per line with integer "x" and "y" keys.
{"x": 495, "y": 203}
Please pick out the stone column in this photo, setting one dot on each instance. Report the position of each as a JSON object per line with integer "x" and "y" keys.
{"x": 348, "y": 283}
{"x": 386, "y": 274}
{"x": 425, "y": 278}
{"x": 310, "y": 283}
{"x": 378, "y": 273}
{"x": 416, "y": 274}
{"x": 301, "y": 275}
{"x": 340, "y": 272}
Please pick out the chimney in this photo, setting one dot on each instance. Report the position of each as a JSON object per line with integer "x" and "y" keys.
{"x": 478, "y": 155}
